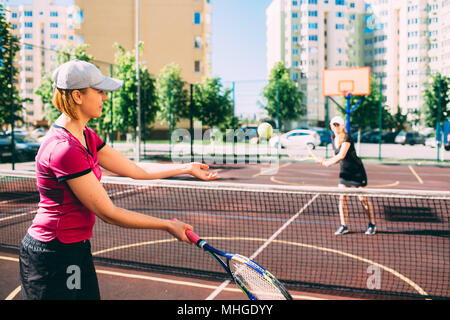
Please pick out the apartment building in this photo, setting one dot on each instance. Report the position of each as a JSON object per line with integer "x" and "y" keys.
{"x": 404, "y": 43}
{"x": 312, "y": 35}
{"x": 172, "y": 31}
{"x": 43, "y": 28}
{"x": 413, "y": 44}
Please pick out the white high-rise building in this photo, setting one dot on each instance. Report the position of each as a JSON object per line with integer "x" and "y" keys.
{"x": 312, "y": 35}
{"x": 411, "y": 42}
{"x": 404, "y": 43}
{"x": 42, "y": 28}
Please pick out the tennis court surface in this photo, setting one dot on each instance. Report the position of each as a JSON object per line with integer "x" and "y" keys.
{"x": 289, "y": 230}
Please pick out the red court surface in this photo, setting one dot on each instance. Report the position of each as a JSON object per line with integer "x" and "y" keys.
{"x": 130, "y": 284}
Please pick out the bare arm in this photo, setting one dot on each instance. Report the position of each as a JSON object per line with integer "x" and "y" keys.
{"x": 337, "y": 158}
{"x": 116, "y": 162}
{"x": 92, "y": 195}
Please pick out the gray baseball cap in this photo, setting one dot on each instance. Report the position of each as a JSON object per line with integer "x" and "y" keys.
{"x": 77, "y": 74}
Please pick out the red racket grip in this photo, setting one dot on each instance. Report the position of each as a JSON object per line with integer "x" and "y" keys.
{"x": 192, "y": 236}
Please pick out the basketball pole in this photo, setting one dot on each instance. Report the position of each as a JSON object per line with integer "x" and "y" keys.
{"x": 349, "y": 110}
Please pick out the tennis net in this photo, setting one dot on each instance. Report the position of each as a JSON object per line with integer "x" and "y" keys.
{"x": 288, "y": 230}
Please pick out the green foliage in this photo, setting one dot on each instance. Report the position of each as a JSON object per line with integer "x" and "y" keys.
{"x": 438, "y": 84}
{"x": 125, "y": 113}
{"x": 213, "y": 105}
{"x": 45, "y": 90}
{"x": 282, "y": 92}
{"x": 10, "y": 102}
{"x": 173, "y": 97}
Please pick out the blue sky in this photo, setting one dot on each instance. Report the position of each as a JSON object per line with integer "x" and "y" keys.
{"x": 238, "y": 46}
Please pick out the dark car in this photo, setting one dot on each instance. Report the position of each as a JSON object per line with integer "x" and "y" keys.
{"x": 5, "y": 148}
{"x": 389, "y": 137}
{"x": 324, "y": 137}
{"x": 26, "y": 147}
{"x": 370, "y": 137}
{"x": 410, "y": 138}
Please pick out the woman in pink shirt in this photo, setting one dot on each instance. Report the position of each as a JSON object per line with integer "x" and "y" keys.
{"x": 68, "y": 178}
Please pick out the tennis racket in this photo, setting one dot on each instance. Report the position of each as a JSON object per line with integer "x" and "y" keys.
{"x": 255, "y": 281}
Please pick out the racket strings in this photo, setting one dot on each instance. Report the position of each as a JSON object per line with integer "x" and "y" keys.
{"x": 262, "y": 287}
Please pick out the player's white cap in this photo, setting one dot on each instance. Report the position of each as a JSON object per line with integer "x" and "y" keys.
{"x": 77, "y": 74}
{"x": 338, "y": 119}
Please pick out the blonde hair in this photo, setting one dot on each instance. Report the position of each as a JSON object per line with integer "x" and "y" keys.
{"x": 63, "y": 101}
{"x": 341, "y": 136}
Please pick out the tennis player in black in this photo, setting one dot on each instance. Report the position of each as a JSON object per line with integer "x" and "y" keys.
{"x": 352, "y": 173}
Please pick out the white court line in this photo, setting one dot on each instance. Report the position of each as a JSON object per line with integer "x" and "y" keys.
{"x": 149, "y": 278}
{"x": 18, "y": 215}
{"x": 415, "y": 174}
{"x": 265, "y": 244}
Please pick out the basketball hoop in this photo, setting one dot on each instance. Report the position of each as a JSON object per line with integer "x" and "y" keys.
{"x": 346, "y": 81}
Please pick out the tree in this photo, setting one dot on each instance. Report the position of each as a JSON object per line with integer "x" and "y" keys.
{"x": 172, "y": 95}
{"x": 45, "y": 90}
{"x": 367, "y": 113}
{"x": 213, "y": 106}
{"x": 399, "y": 120}
{"x": 125, "y": 113}
{"x": 10, "y": 101}
{"x": 283, "y": 95}
{"x": 438, "y": 84}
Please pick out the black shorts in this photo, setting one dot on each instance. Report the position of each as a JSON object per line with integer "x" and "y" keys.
{"x": 57, "y": 271}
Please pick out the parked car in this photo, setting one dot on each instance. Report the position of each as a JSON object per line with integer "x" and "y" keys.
{"x": 297, "y": 138}
{"x": 410, "y": 138}
{"x": 324, "y": 137}
{"x": 5, "y": 148}
{"x": 26, "y": 147}
{"x": 389, "y": 137}
{"x": 447, "y": 144}
{"x": 370, "y": 137}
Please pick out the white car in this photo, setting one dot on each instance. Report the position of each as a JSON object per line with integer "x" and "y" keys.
{"x": 297, "y": 138}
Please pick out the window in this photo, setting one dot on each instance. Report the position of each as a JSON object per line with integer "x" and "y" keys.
{"x": 14, "y": 15}
{"x": 312, "y": 37}
{"x": 28, "y": 24}
{"x": 53, "y": 13}
{"x": 340, "y": 26}
{"x": 54, "y": 36}
{"x": 198, "y": 42}
{"x": 312, "y": 13}
{"x": 294, "y": 15}
{"x": 28, "y": 13}
{"x": 28, "y": 35}
{"x": 340, "y": 2}
{"x": 53, "y": 25}
{"x": 312, "y": 25}
{"x": 295, "y": 52}
{"x": 295, "y": 39}
{"x": 339, "y": 14}
{"x": 197, "y": 66}
{"x": 197, "y": 18}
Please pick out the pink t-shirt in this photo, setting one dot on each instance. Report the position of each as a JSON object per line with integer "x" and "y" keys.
{"x": 62, "y": 157}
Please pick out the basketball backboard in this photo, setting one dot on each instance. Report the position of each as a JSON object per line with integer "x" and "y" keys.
{"x": 344, "y": 81}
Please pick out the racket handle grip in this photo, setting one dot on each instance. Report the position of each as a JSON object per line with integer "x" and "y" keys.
{"x": 192, "y": 236}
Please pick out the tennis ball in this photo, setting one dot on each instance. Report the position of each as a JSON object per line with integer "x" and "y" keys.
{"x": 265, "y": 130}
